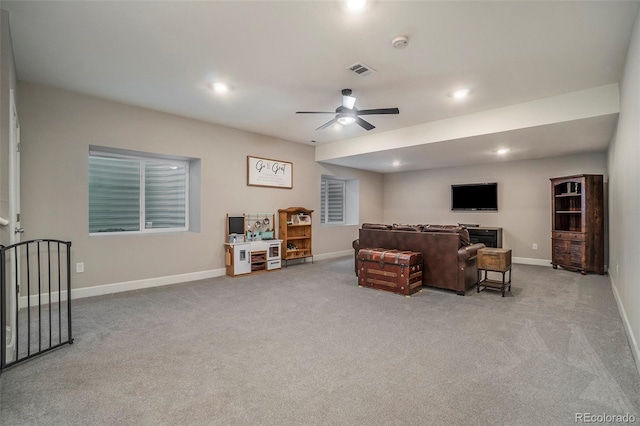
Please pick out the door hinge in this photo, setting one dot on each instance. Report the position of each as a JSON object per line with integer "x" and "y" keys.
{"x": 18, "y": 147}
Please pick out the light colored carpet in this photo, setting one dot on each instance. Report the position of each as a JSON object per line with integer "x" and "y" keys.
{"x": 306, "y": 345}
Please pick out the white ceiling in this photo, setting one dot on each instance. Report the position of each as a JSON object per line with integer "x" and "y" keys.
{"x": 280, "y": 57}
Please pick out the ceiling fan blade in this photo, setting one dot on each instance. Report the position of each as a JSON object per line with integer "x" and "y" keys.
{"x": 315, "y": 112}
{"x": 364, "y": 124}
{"x": 379, "y": 111}
{"x": 348, "y": 102}
{"x": 327, "y": 124}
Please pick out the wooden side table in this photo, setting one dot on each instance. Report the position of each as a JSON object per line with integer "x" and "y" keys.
{"x": 496, "y": 260}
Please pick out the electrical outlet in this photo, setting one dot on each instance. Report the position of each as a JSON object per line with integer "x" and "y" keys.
{"x": 79, "y": 267}
{"x": 535, "y": 246}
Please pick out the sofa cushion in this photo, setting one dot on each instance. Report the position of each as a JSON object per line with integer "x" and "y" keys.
{"x": 464, "y": 237}
{"x": 403, "y": 227}
{"x": 375, "y": 226}
{"x": 462, "y": 230}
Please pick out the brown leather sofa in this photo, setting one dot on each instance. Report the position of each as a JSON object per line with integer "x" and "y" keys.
{"x": 449, "y": 257}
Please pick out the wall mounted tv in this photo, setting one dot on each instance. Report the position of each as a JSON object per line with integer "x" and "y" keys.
{"x": 475, "y": 196}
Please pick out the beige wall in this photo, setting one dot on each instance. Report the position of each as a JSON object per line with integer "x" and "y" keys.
{"x": 57, "y": 128}
{"x": 624, "y": 197}
{"x": 524, "y": 200}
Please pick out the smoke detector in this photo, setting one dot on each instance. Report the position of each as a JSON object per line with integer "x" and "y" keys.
{"x": 400, "y": 42}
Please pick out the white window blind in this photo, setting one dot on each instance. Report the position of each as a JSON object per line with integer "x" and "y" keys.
{"x": 130, "y": 194}
{"x": 165, "y": 195}
{"x": 332, "y": 201}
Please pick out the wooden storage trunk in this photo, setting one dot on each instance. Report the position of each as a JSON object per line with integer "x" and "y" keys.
{"x": 391, "y": 270}
{"x": 494, "y": 259}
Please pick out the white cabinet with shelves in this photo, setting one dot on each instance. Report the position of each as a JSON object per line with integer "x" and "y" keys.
{"x": 252, "y": 257}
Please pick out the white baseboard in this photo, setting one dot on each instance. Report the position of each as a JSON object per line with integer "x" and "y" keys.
{"x": 100, "y": 290}
{"x": 633, "y": 343}
{"x": 531, "y": 261}
{"x": 333, "y": 255}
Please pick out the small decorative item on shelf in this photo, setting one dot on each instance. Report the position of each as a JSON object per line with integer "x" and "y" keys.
{"x": 304, "y": 219}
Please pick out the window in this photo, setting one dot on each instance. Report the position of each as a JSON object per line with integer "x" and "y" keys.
{"x": 129, "y": 193}
{"x": 332, "y": 200}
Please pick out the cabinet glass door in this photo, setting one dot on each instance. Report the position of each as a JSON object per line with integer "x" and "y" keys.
{"x": 274, "y": 251}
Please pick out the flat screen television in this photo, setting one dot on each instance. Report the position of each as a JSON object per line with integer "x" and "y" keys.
{"x": 475, "y": 196}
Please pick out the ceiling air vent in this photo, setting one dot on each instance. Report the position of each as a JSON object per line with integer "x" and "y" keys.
{"x": 361, "y": 69}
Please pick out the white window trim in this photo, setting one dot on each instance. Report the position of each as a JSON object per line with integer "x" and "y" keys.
{"x": 150, "y": 158}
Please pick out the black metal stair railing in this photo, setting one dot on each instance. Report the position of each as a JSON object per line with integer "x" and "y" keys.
{"x": 35, "y": 299}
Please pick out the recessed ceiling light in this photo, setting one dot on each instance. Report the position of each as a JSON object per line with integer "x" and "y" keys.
{"x": 220, "y": 87}
{"x": 503, "y": 151}
{"x": 461, "y": 94}
{"x": 395, "y": 163}
{"x": 355, "y": 5}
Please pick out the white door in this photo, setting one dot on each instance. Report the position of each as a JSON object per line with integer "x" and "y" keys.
{"x": 241, "y": 259}
{"x": 14, "y": 224}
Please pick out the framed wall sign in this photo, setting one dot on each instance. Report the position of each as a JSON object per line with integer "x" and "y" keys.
{"x": 268, "y": 172}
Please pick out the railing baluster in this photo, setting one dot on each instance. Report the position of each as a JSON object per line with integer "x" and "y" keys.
{"x": 16, "y": 254}
{"x": 59, "y": 300}
{"x": 49, "y": 279}
{"x": 28, "y": 303}
{"x": 3, "y": 330}
{"x": 70, "y": 338}
{"x": 39, "y": 302}
{"x": 4, "y": 300}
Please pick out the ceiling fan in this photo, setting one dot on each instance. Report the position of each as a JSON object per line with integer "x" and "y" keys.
{"x": 347, "y": 113}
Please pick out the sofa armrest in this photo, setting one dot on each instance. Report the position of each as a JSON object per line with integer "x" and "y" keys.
{"x": 356, "y": 244}
{"x": 469, "y": 252}
{"x": 468, "y": 267}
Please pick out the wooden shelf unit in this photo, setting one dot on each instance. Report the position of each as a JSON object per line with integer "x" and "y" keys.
{"x": 295, "y": 233}
{"x": 258, "y": 261}
{"x": 577, "y": 233}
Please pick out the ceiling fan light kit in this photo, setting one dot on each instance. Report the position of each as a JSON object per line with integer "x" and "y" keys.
{"x": 346, "y": 119}
{"x": 347, "y": 113}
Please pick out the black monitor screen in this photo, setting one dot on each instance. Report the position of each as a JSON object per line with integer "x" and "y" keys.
{"x": 476, "y": 196}
{"x": 236, "y": 225}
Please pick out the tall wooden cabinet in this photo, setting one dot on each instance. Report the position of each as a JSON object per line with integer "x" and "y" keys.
{"x": 577, "y": 234}
{"x": 295, "y": 232}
